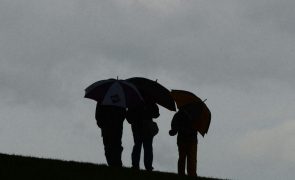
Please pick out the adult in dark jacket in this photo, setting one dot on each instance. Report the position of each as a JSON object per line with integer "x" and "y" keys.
{"x": 144, "y": 129}
{"x": 110, "y": 119}
{"x": 187, "y": 142}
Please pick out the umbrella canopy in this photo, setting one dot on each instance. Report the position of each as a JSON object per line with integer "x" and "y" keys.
{"x": 154, "y": 92}
{"x": 195, "y": 108}
{"x": 113, "y": 92}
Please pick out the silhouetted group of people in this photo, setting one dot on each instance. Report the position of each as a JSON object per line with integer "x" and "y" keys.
{"x": 110, "y": 119}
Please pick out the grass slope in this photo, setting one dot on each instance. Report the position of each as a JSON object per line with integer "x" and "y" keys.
{"x": 20, "y": 167}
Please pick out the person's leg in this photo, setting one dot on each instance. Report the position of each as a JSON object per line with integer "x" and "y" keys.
{"x": 136, "y": 151}
{"x": 107, "y": 146}
{"x": 117, "y": 147}
{"x": 192, "y": 159}
{"x": 148, "y": 153}
{"x": 107, "y": 154}
{"x": 181, "y": 158}
{"x": 117, "y": 154}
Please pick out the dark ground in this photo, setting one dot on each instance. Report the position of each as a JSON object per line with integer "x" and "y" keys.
{"x": 20, "y": 167}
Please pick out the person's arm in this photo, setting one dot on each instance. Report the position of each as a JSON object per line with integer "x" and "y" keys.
{"x": 154, "y": 110}
{"x": 129, "y": 116}
{"x": 174, "y": 124}
{"x": 97, "y": 116}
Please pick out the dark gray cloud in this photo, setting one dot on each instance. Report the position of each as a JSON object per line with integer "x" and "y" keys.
{"x": 277, "y": 15}
{"x": 237, "y": 54}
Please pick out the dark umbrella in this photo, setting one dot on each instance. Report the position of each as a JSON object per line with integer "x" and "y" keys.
{"x": 195, "y": 107}
{"x": 154, "y": 92}
{"x": 114, "y": 92}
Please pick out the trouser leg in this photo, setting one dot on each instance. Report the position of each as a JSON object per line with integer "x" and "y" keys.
{"x": 136, "y": 152}
{"x": 117, "y": 149}
{"x": 116, "y": 155}
{"x": 113, "y": 148}
{"x": 108, "y": 157}
{"x": 181, "y": 159}
{"x": 148, "y": 153}
{"x": 113, "y": 155}
{"x": 192, "y": 159}
{"x": 107, "y": 147}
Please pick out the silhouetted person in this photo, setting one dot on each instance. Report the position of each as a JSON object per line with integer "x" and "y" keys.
{"x": 187, "y": 142}
{"x": 144, "y": 129}
{"x": 110, "y": 119}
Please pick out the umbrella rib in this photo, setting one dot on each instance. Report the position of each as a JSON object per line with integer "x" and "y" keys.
{"x": 107, "y": 97}
{"x": 134, "y": 88}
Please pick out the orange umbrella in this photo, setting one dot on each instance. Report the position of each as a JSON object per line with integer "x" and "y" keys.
{"x": 195, "y": 107}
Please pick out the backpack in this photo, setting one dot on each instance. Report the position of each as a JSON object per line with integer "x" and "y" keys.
{"x": 154, "y": 128}
{"x": 150, "y": 128}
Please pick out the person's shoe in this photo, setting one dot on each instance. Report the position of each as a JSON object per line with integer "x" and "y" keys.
{"x": 150, "y": 169}
{"x": 135, "y": 168}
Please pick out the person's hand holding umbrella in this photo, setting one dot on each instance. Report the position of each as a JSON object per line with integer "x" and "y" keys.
{"x": 195, "y": 108}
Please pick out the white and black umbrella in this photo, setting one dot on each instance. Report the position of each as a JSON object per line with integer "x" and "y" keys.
{"x": 114, "y": 92}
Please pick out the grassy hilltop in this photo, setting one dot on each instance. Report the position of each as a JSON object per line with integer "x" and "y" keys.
{"x": 20, "y": 167}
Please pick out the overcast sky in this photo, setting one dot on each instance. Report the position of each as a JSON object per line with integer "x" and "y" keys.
{"x": 237, "y": 54}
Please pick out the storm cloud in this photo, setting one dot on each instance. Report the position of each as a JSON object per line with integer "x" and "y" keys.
{"x": 237, "y": 54}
